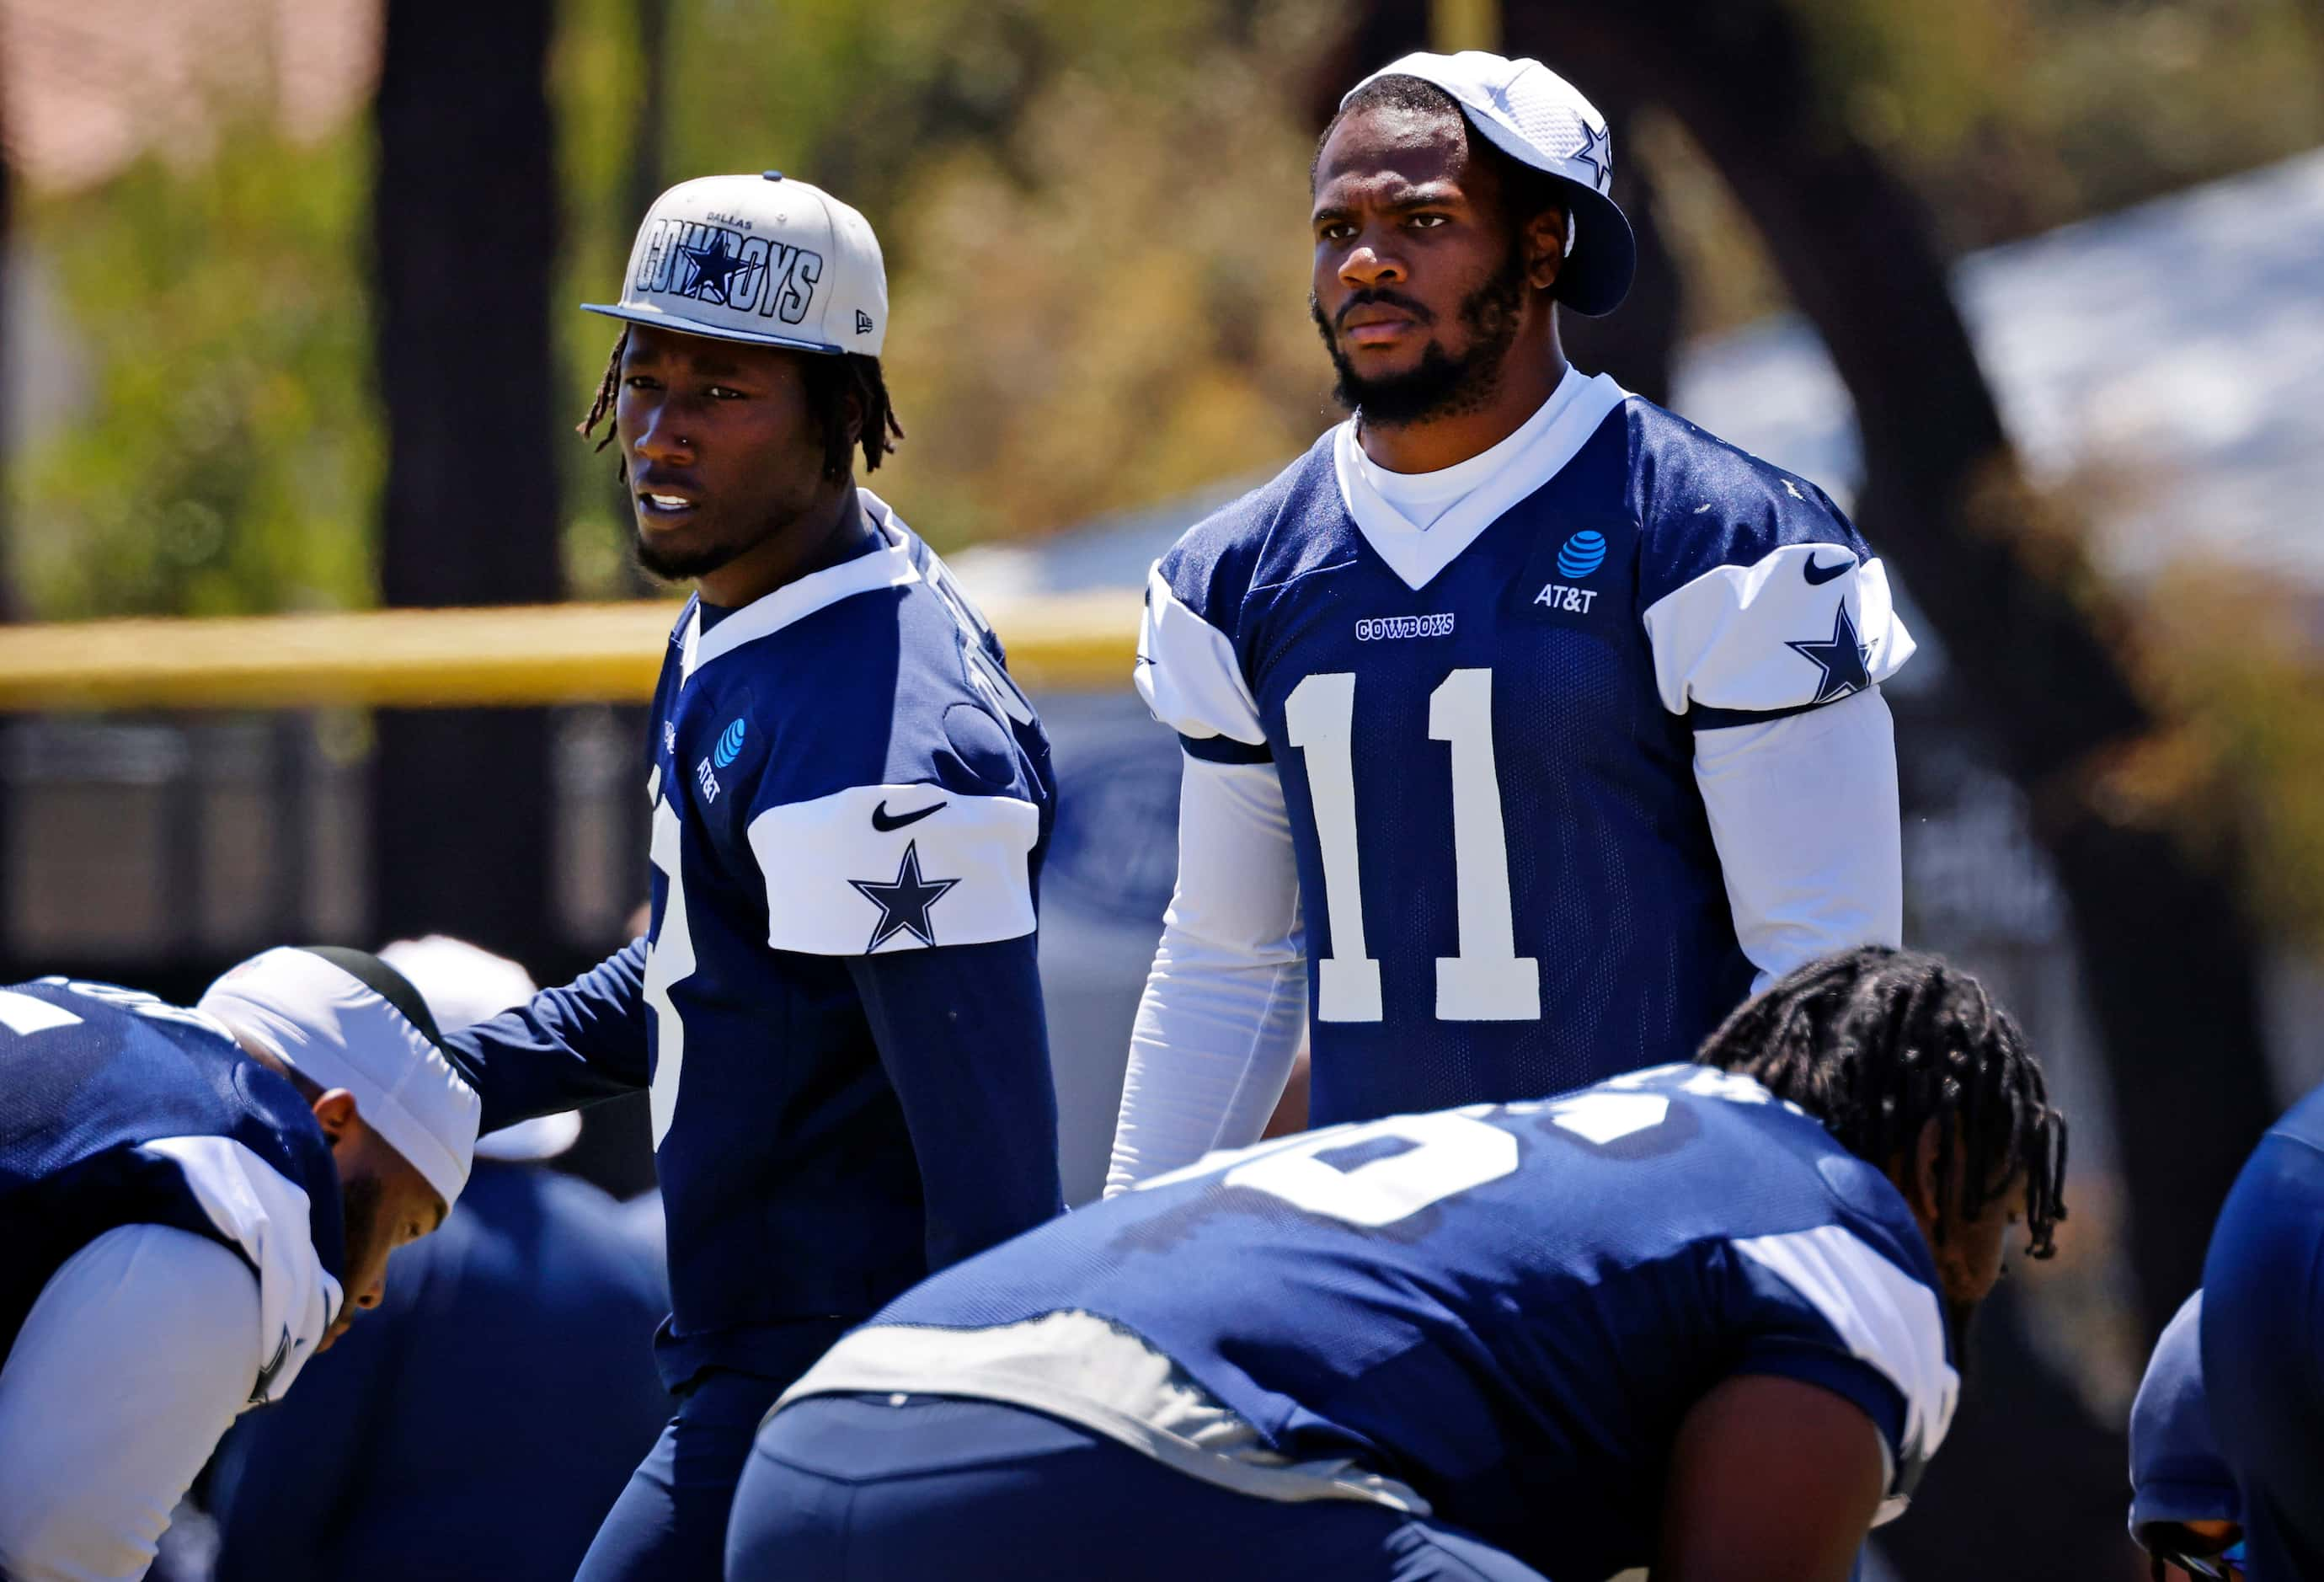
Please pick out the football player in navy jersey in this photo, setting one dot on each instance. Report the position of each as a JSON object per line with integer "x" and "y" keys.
{"x": 193, "y": 1203}
{"x": 2262, "y": 1344}
{"x": 835, "y": 1011}
{"x": 2185, "y": 1511}
{"x": 1702, "y": 1317}
{"x": 1527, "y": 728}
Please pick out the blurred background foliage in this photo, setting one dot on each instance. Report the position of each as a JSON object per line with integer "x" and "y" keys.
{"x": 1093, "y": 224}
{"x": 222, "y": 452}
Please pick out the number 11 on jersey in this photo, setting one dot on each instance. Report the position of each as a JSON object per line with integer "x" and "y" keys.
{"x": 1488, "y": 981}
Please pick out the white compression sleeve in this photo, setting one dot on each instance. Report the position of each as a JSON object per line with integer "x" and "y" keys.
{"x": 132, "y": 1365}
{"x": 1803, "y": 810}
{"x": 1227, "y": 998}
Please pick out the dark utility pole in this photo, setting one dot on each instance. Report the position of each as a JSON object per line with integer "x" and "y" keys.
{"x": 465, "y": 217}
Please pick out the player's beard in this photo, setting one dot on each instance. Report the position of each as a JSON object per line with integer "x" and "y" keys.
{"x": 683, "y": 563}
{"x": 1441, "y": 384}
{"x": 675, "y": 565}
{"x": 1960, "y": 1319}
{"x": 363, "y": 1203}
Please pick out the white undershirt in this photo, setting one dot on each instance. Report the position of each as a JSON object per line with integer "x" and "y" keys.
{"x": 132, "y": 1363}
{"x": 1422, "y": 498}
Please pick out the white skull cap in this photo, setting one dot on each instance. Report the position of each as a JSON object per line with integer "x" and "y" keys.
{"x": 322, "y": 1021}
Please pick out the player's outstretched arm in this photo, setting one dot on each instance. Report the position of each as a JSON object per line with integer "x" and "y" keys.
{"x": 1772, "y": 1480}
{"x": 566, "y": 1047}
{"x": 965, "y": 1042}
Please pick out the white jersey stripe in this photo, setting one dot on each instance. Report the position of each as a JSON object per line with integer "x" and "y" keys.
{"x": 1882, "y": 1315}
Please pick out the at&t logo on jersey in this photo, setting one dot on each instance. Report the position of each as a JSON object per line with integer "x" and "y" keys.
{"x": 730, "y": 743}
{"x": 1581, "y": 555}
{"x": 706, "y": 780}
{"x": 1577, "y": 559}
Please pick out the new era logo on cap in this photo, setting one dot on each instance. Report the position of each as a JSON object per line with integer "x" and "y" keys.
{"x": 759, "y": 259}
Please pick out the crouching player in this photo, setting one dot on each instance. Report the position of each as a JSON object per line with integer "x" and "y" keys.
{"x": 192, "y": 1203}
{"x": 1702, "y": 1318}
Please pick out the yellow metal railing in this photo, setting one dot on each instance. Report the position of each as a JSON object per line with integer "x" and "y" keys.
{"x": 446, "y": 659}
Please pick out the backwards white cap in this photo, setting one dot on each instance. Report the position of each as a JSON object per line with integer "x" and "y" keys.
{"x": 1538, "y": 119}
{"x": 464, "y": 984}
{"x": 321, "y": 1019}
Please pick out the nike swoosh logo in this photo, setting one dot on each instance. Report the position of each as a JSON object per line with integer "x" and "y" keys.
{"x": 881, "y": 822}
{"x": 1819, "y": 575}
{"x": 274, "y": 1366}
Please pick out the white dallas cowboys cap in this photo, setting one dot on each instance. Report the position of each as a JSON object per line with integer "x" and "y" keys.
{"x": 762, "y": 259}
{"x": 1538, "y": 119}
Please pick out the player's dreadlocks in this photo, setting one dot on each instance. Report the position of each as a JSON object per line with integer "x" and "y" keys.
{"x": 1876, "y": 1043}
{"x": 830, "y": 381}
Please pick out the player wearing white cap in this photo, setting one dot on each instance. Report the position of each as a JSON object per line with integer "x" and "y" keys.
{"x": 835, "y": 1011}
{"x": 1526, "y": 726}
{"x": 194, "y": 1203}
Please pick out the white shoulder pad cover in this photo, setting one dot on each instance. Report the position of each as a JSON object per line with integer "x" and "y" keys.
{"x": 1882, "y": 1315}
{"x": 896, "y": 867}
{"x": 1187, "y": 671}
{"x": 268, "y": 1216}
{"x": 1757, "y": 639}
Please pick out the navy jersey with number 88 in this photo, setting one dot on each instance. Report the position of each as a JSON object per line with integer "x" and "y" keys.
{"x": 1504, "y": 1312}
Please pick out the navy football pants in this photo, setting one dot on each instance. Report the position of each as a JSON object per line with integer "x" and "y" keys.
{"x": 669, "y": 1524}
{"x": 2264, "y": 1353}
{"x": 854, "y": 1488}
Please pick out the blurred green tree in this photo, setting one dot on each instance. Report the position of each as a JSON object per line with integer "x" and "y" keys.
{"x": 229, "y": 450}
{"x": 1091, "y": 216}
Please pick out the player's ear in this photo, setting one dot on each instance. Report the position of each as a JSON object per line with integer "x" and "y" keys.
{"x": 334, "y": 1112}
{"x": 1544, "y": 247}
{"x": 1919, "y": 1186}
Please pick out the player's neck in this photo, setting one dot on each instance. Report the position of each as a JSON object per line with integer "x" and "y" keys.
{"x": 833, "y": 530}
{"x": 1531, "y": 373}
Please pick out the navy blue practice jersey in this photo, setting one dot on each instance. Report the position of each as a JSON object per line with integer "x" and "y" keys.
{"x": 2261, "y": 1340}
{"x": 1485, "y": 734}
{"x": 837, "y": 1011}
{"x": 117, "y": 1108}
{"x": 1494, "y": 1315}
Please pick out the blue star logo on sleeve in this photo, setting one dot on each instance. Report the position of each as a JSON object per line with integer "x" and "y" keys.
{"x": 1846, "y": 662}
{"x": 715, "y": 267}
{"x": 904, "y": 904}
